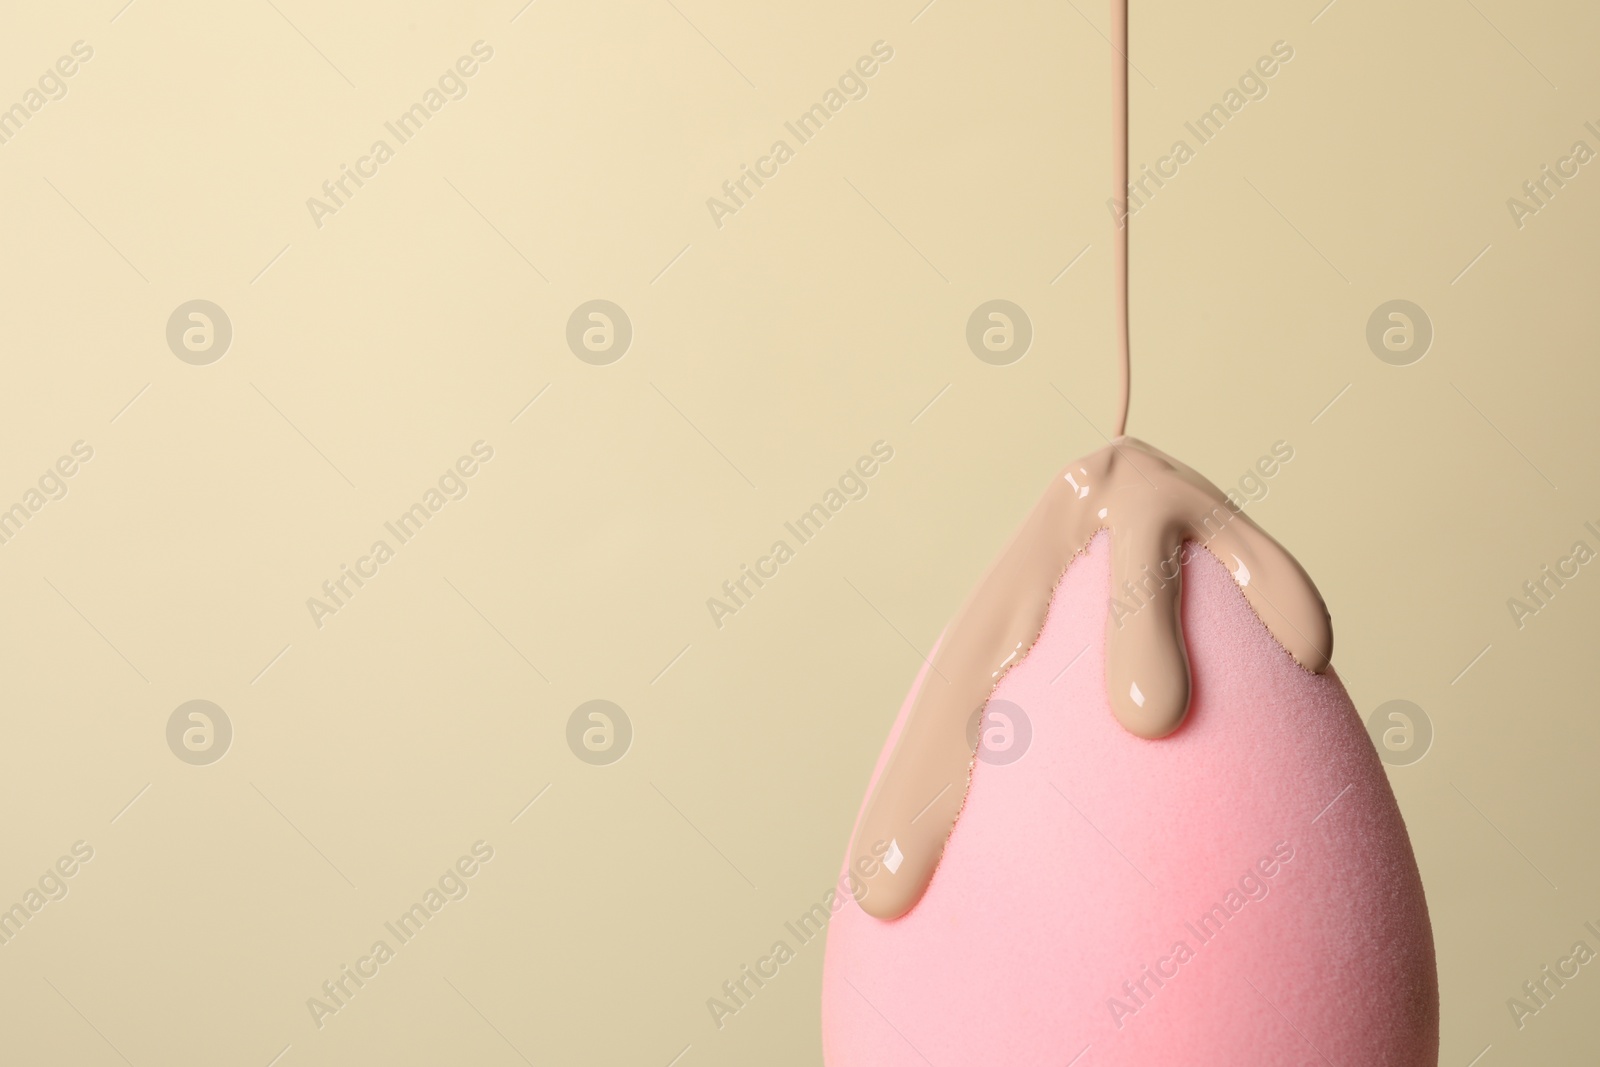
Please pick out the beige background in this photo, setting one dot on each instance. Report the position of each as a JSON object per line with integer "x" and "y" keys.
{"x": 767, "y": 355}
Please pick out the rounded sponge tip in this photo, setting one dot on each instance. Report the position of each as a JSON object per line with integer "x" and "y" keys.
{"x": 1239, "y": 893}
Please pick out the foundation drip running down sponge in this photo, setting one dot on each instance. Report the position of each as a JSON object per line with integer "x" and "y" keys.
{"x": 1189, "y": 853}
{"x": 1241, "y": 892}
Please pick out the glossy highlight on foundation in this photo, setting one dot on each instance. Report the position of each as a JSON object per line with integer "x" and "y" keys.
{"x": 1157, "y": 511}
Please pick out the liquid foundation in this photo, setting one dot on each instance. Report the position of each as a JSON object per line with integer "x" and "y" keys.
{"x": 1157, "y": 511}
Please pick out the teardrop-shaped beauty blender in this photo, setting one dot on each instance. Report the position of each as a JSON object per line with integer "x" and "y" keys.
{"x": 1197, "y": 861}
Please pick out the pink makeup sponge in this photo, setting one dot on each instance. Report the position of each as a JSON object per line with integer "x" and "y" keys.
{"x": 1239, "y": 893}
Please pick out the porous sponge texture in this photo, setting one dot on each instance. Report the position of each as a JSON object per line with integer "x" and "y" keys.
{"x": 1055, "y": 920}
